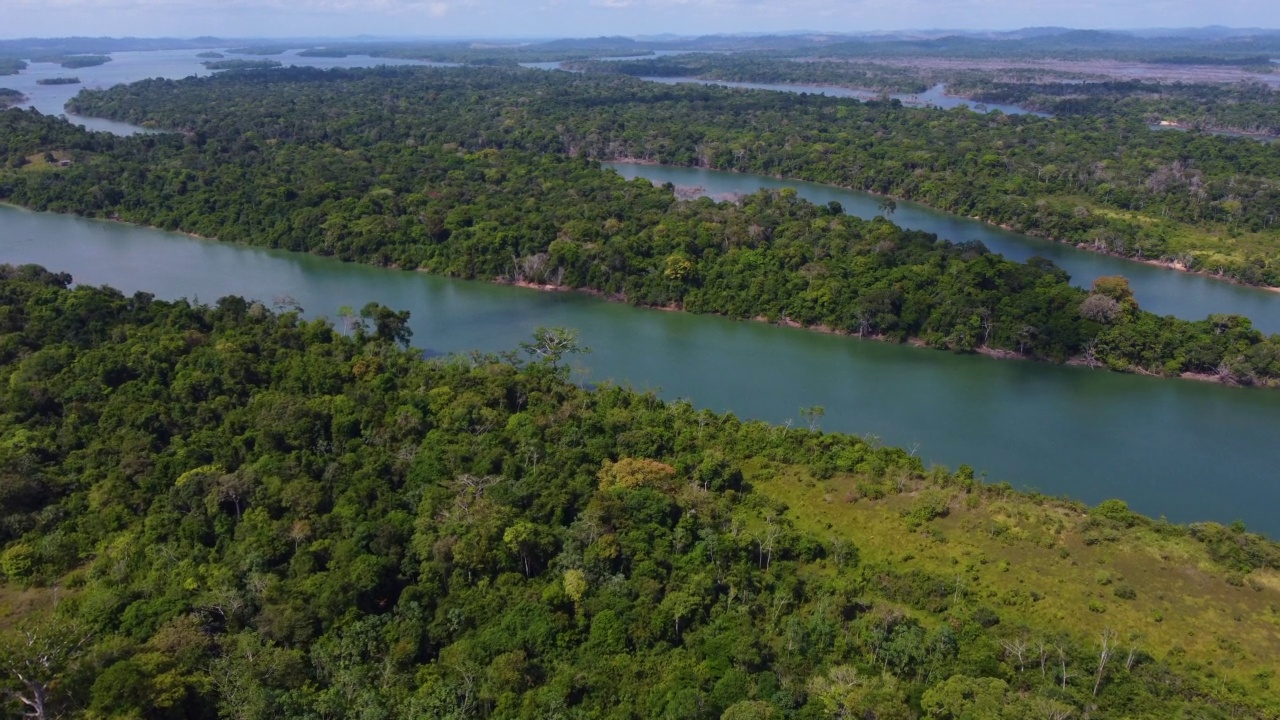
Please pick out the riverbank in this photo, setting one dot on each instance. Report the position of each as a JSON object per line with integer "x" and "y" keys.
{"x": 993, "y": 353}
{"x": 908, "y": 541}
{"x": 1003, "y": 354}
{"x": 1062, "y": 430}
{"x": 1086, "y": 247}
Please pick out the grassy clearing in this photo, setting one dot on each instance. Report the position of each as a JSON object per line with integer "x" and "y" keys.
{"x": 1041, "y": 565}
{"x": 40, "y": 161}
{"x": 17, "y": 603}
{"x": 1215, "y": 246}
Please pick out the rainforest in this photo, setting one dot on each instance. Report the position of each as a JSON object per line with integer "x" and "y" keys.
{"x": 231, "y": 507}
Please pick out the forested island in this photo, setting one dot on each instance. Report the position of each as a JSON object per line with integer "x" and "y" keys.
{"x": 433, "y": 182}
{"x": 72, "y": 62}
{"x": 241, "y": 64}
{"x": 11, "y": 66}
{"x": 1245, "y": 104}
{"x": 9, "y": 96}
{"x": 228, "y": 511}
{"x": 1110, "y": 184}
{"x": 236, "y": 509}
{"x": 323, "y": 52}
{"x": 59, "y": 81}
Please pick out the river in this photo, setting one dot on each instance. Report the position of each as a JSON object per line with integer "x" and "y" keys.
{"x": 1158, "y": 289}
{"x": 935, "y": 96}
{"x": 127, "y": 67}
{"x": 1186, "y": 450}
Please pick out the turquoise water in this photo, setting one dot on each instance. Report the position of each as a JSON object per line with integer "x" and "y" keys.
{"x": 1160, "y": 290}
{"x": 1187, "y": 450}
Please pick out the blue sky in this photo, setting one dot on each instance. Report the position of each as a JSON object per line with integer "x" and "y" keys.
{"x": 581, "y": 18}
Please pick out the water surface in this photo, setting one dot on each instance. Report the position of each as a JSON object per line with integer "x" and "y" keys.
{"x": 935, "y": 97}
{"x": 1190, "y": 451}
{"x": 1158, "y": 289}
{"x": 127, "y": 67}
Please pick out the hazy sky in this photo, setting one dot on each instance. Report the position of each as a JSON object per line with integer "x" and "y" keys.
{"x": 581, "y": 18}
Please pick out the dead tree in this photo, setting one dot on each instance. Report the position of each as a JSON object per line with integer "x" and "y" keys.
{"x": 1108, "y": 649}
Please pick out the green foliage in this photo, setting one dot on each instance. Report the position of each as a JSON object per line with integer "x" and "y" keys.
{"x": 1237, "y": 549}
{"x": 435, "y": 182}
{"x": 1125, "y": 592}
{"x": 260, "y": 516}
{"x": 1148, "y": 194}
{"x": 929, "y": 505}
{"x": 18, "y": 562}
{"x": 241, "y": 64}
{"x": 1116, "y": 511}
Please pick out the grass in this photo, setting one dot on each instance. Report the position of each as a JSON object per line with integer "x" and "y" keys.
{"x": 1216, "y": 246}
{"x": 1038, "y": 564}
{"x": 17, "y": 603}
{"x": 38, "y": 161}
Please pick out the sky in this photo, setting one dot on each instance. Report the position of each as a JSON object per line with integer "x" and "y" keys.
{"x": 589, "y": 18}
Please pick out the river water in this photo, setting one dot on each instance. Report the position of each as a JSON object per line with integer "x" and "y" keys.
{"x": 1189, "y": 451}
{"x": 127, "y": 67}
{"x": 1186, "y": 450}
{"x": 1160, "y": 290}
{"x": 936, "y": 96}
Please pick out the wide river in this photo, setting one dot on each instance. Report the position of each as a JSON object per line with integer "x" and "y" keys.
{"x": 126, "y": 67}
{"x": 1186, "y": 450}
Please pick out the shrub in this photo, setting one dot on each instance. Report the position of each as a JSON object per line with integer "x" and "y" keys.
{"x": 18, "y": 562}
{"x": 1116, "y": 511}
{"x": 928, "y": 506}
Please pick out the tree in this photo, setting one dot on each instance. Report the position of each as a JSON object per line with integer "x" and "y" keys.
{"x": 550, "y": 345}
{"x": 750, "y": 710}
{"x": 351, "y": 322}
{"x": 575, "y": 585}
{"x": 1117, "y": 288}
{"x": 961, "y": 696}
{"x": 388, "y": 324}
{"x": 1101, "y": 309}
{"x": 34, "y": 660}
{"x": 1105, "y": 652}
{"x": 888, "y": 206}
{"x": 813, "y": 415}
{"x": 527, "y": 540}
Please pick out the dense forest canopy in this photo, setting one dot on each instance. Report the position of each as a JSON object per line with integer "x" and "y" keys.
{"x": 1109, "y": 183}
{"x": 218, "y": 511}
{"x": 221, "y": 511}
{"x": 1241, "y": 103}
{"x": 376, "y": 184}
